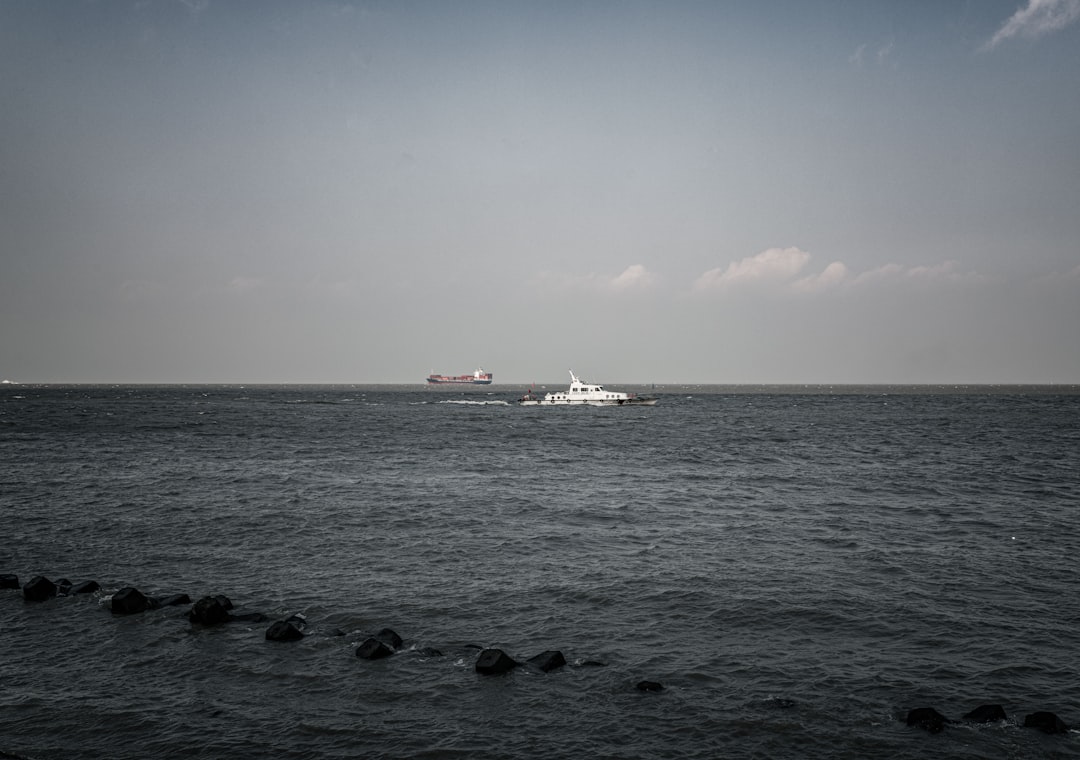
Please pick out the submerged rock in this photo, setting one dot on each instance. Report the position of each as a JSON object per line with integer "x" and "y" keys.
{"x": 283, "y": 630}
{"x": 39, "y": 589}
{"x": 389, "y": 638}
{"x": 129, "y": 601}
{"x": 986, "y": 714}
{"x": 590, "y": 664}
{"x": 548, "y": 661}
{"x": 210, "y": 610}
{"x": 493, "y": 662}
{"x": 86, "y": 587}
{"x": 1047, "y": 722}
{"x": 373, "y": 649}
{"x": 174, "y": 600}
{"x": 649, "y": 686}
{"x": 927, "y": 718}
{"x": 9, "y": 580}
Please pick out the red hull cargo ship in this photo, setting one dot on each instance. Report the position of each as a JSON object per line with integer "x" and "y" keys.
{"x": 479, "y": 377}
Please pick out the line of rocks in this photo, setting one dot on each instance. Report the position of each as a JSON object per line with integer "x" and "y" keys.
{"x": 929, "y": 719}
{"x": 218, "y": 609}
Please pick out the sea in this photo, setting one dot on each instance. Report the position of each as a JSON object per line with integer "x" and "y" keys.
{"x": 792, "y": 568}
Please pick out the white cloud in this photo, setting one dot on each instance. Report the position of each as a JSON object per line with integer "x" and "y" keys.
{"x": 780, "y": 268}
{"x": 1037, "y": 18}
{"x": 834, "y": 274}
{"x": 883, "y": 55}
{"x": 946, "y": 271}
{"x": 1060, "y": 279}
{"x": 884, "y": 52}
{"x": 634, "y": 279}
{"x": 774, "y": 264}
{"x": 885, "y": 272}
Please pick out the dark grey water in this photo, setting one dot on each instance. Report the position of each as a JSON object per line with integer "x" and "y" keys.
{"x": 798, "y": 569}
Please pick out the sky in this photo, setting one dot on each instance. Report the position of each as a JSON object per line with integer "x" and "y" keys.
{"x": 760, "y": 191}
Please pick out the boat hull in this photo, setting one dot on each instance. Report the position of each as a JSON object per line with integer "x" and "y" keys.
{"x": 454, "y": 381}
{"x": 604, "y": 402}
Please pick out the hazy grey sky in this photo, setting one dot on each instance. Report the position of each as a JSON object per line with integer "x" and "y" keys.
{"x": 844, "y": 191}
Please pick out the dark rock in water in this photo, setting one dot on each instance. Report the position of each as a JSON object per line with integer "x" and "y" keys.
{"x": 251, "y": 617}
{"x": 429, "y": 652}
{"x": 283, "y": 630}
{"x": 389, "y": 638}
{"x": 780, "y": 703}
{"x": 492, "y": 662}
{"x": 649, "y": 686}
{"x": 86, "y": 587}
{"x": 9, "y": 580}
{"x": 373, "y": 649}
{"x": 210, "y": 610}
{"x": 39, "y": 589}
{"x": 548, "y": 661}
{"x": 174, "y": 600}
{"x": 1047, "y": 722}
{"x": 986, "y": 714}
{"x": 927, "y": 718}
{"x": 63, "y": 586}
{"x": 129, "y": 601}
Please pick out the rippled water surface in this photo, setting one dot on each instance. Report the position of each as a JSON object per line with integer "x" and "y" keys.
{"x": 798, "y": 569}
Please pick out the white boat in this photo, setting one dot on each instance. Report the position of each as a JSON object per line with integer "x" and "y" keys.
{"x": 581, "y": 393}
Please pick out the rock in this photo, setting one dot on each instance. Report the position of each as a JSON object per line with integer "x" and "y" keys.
{"x": 129, "y": 601}
{"x": 251, "y": 617}
{"x": 373, "y": 649}
{"x": 9, "y": 580}
{"x": 283, "y": 630}
{"x": 591, "y": 664}
{"x": 63, "y": 586}
{"x": 986, "y": 714}
{"x": 86, "y": 587}
{"x": 927, "y": 718}
{"x": 1047, "y": 722}
{"x": 494, "y": 662}
{"x": 389, "y": 638}
{"x": 429, "y": 652}
{"x": 548, "y": 661}
{"x": 210, "y": 610}
{"x": 39, "y": 589}
{"x": 649, "y": 686}
{"x": 173, "y": 600}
